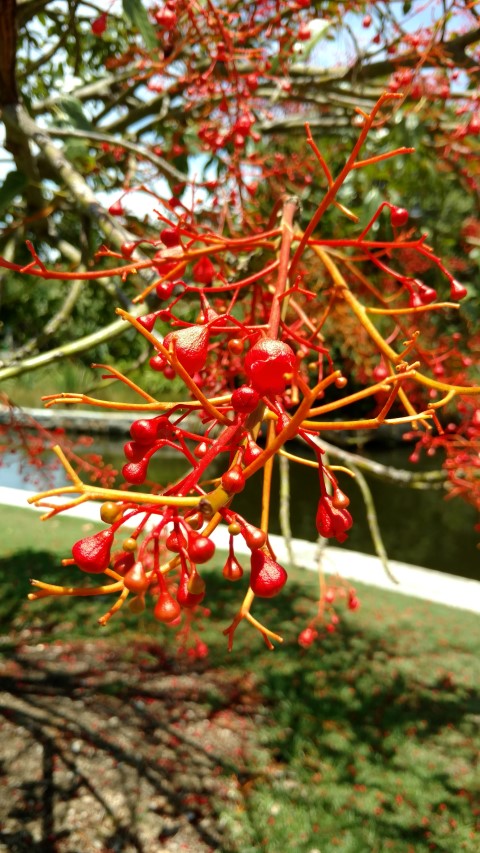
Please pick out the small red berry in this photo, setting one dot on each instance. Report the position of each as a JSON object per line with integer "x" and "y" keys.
{"x": 427, "y": 295}
{"x": 144, "y": 431}
{"x": 136, "y": 472}
{"x": 127, "y": 249}
{"x": 148, "y": 321}
{"x": 380, "y": 372}
{"x": 398, "y": 216}
{"x": 254, "y": 537}
{"x": 201, "y": 649}
{"x": 175, "y": 541}
{"x": 304, "y": 34}
{"x": 186, "y": 598}
{"x": 157, "y": 362}
{"x": 332, "y": 523}
{"x": 252, "y": 451}
{"x": 236, "y": 346}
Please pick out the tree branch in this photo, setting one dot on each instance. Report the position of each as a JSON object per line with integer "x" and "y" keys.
{"x": 162, "y": 165}
{"x": 8, "y": 47}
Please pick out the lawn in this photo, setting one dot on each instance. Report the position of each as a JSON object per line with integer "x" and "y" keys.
{"x": 367, "y": 741}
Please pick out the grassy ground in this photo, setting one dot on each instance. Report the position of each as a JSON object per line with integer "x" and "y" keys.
{"x": 368, "y": 741}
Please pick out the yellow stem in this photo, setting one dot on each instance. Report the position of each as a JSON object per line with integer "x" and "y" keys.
{"x": 267, "y": 480}
{"x": 108, "y": 615}
{"x": 158, "y": 405}
{"x": 53, "y": 589}
{"x": 126, "y": 381}
{"x": 421, "y": 309}
{"x": 360, "y": 395}
{"x": 265, "y": 631}
{"x": 310, "y": 463}
{"x": 445, "y": 386}
{"x": 371, "y": 423}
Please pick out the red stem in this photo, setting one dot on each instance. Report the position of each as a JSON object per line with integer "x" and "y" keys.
{"x": 289, "y": 210}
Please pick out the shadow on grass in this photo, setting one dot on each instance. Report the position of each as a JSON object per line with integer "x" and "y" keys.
{"x": 382, "y": 741}
{"x": 367, "y": 741}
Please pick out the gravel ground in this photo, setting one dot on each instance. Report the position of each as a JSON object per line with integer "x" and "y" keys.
{"x": 98, "y": 754}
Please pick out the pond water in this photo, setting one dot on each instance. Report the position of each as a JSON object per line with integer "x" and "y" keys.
{"x": 418, "y": 527}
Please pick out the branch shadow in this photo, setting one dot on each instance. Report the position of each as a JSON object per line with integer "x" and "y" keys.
{"x": 96, "y": 748}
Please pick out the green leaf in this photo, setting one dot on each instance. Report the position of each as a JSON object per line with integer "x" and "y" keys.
{"x": 77, "y": 151}
{"x": 13, "y": 185}
{"x": 72, "y": 108}
{"x": 135, "y": 10}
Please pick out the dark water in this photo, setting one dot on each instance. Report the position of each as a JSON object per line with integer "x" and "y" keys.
{"x": 419, "y": 527}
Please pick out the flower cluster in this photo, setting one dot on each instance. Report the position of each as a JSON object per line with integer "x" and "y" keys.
{"x": 259, "y": 375}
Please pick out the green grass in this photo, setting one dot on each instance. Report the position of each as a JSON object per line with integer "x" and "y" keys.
{"x": 366, "y": 742}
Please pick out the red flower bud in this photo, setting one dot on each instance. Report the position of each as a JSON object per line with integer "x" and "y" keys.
{"x": 93, "y": 553}
{"x": 148, "y": 321}
{"x": 136, "y": 580}
{"x": 170, "y": 237}
{"x": 136, "y": 472}
{"x": 184, "y": 597}
{"x": 144, "y": 431}
{"x": 267, "y": 364}
{"x": 203, "y": 272}
{"x": 200, "y": 548}
{"x": 191, "y": 347}
{"x": 245, "y": 399}
{"x": 457, "y": 290}
{"x": 267, "y": 577}
{"x": 166, "y": 608}
{"x": 254, "y": 537}
{"x": 99, "y": 25}
{"x": 232, "y": 569}
{"x": 116, "y": 209}
{"x": 233, "y": 480}
{"x": 165, "y": 289}
{"x": 307, "y": 637}
{"x": 332, "y": 523}
{"x": 166, "y": 18}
